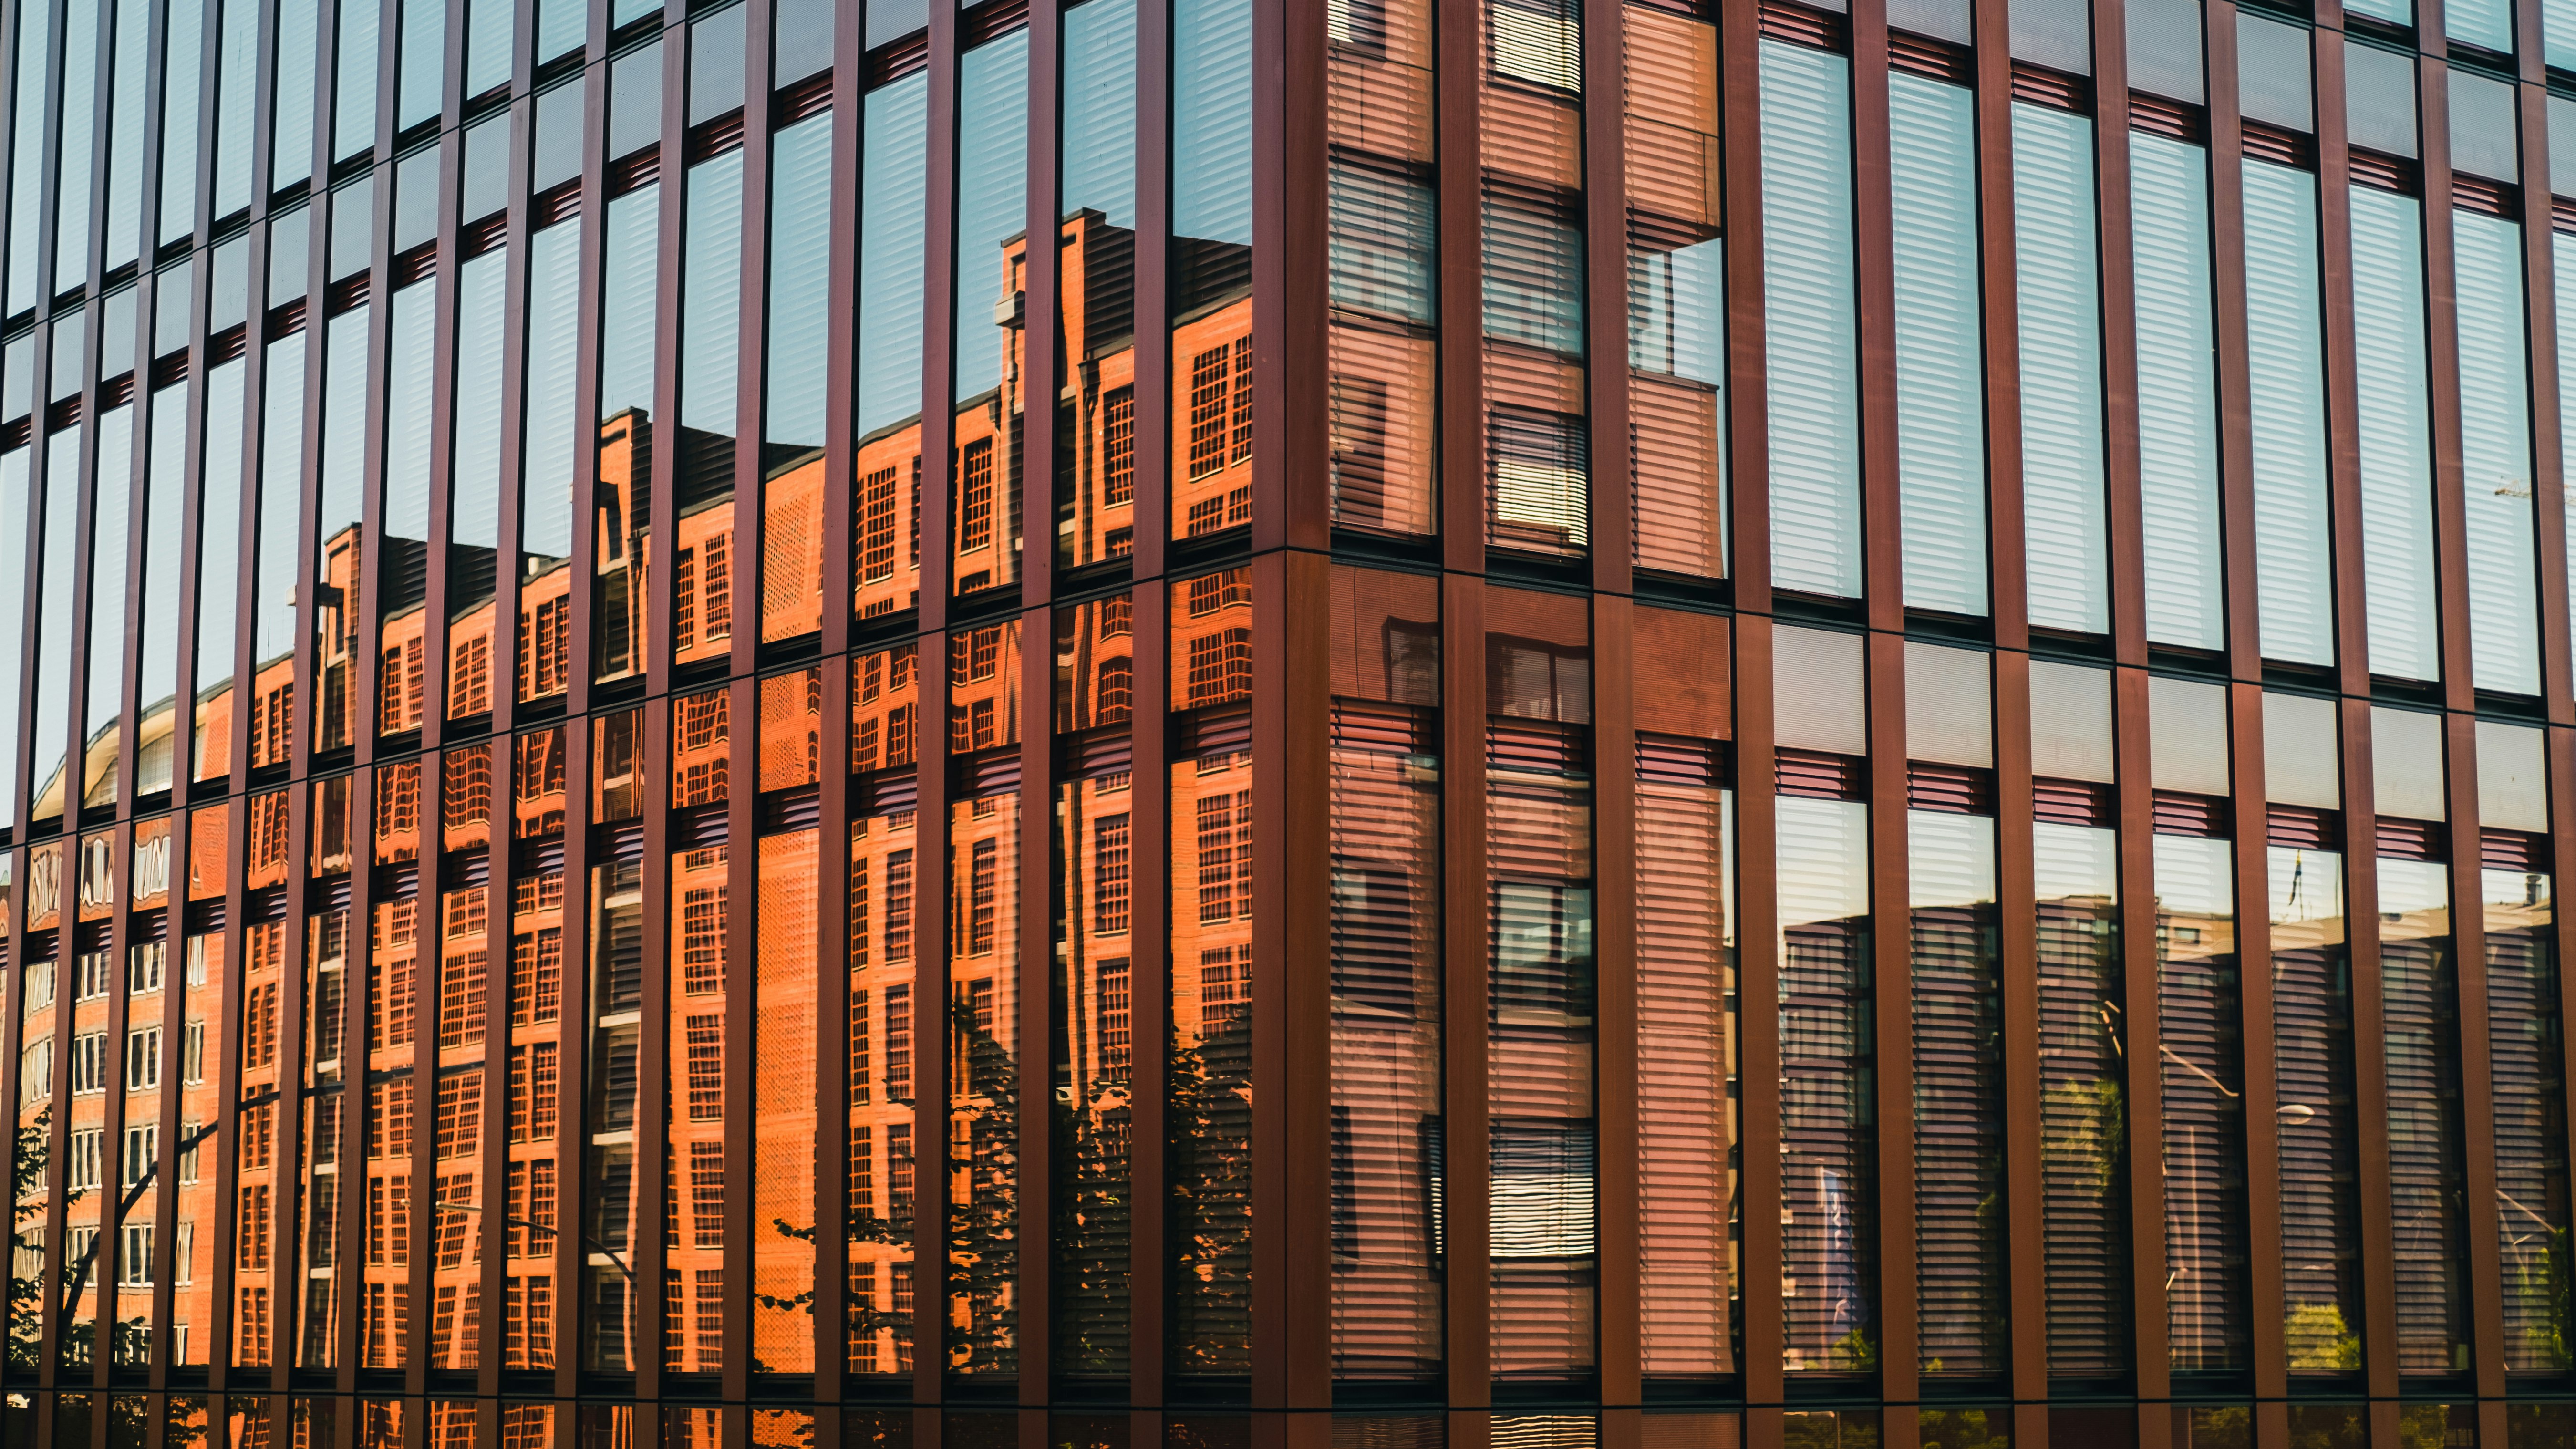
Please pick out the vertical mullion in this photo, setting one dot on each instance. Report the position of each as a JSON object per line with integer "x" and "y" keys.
{"x": 1747, "y": 444}
{"x": 1149, "y": 969}
{"x": 2540, "y": 288}
{"x": 751, "y": 362}
{"x": 1758, "y": 992}
{"x": 2227, "y": 276}
{"x": 583, "y": 565}
{"x": 1041, "y": 379}
{"x": 670, "y": 263}
{"x": 1034, "y": 1243}
{"x": 1290, "y": 296}
{"x": 1605, "y": 172}
{"x": 840, "y": 422}
{"x": 1459, "y": 197}
{"x": 1882, "y": 509}
{"x": 2442, "y": 343}
{"x": 930, "y": 875}
{"x": 450, "y": 281}
{"x": 2117, "y": 262}
{"x": 1153, "y": 391}
{"x": 507, "y": 570}
{"x": 2352, "y": 655}
{"x": 2143, "y": 1089}
{"x": 1465, "y": 1130}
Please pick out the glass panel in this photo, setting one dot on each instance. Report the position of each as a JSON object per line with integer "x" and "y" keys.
{"x": 1810, "y": 313}
{"x": 785, "y": 1041}
{"x": 2197, "y": 1002}
{"x": 424, "y": 60}
{"x": 203, "y": 1034}
{"x": 546, "y": 482}
{"x": 159, "y": 611}
{"x": 1829, "y": 1198}
{"x": 487, "y": 45}
{"x": 218, "y": 542}
{"x": 2083, "y": 1111}
{"x": 2061, "y": 369}
{"x": 474, "y": 484}
{"x": 77, "y": 112}
{"x": 2427, "y": 1176}
{"x": 983, "y": 1098}
{"x": 1687, "y": 1061}
{"x": 236, "y": 80}
{"x": 299, "y": 26}
{"x": 703, "y": 561}
{"x": 2395, "y": 436}
{"x": 281, "y": 501}
{"x": 621, "y": 530}
{"x": 127, "y": 121}
{"x": 56, "y": 590}
{"x": 883, "y": 886}
{"x": 1676, "y": 294}
{"x": 1958, "y": 1091}
{"x": 2319, "y": 1136}
{"x": 2530, "y": 1082}
{"x": 611, "y": 1296}
{"x": 892, "y": 212}
{"x": 1541, "y": 1043}
{"x": 1940, "y": 404}
{"x": 1211, "y": 258}
{"x": 27, "y": 162}
{"x": 354, "y": 117}
{"x": 1208, "y": 1074}
{"x": 798, "y": 340}
{"x": 185, "y": 31}
{"x": 340, "y": 494}
{"x": 326, "y": 976}
{"x": 2294, "y": 563}
{"x": 2487, "y": 23}
{"x": 101, "y": 740}
{"x": 699, "y": 917}
{"x": 404, "y": 568}
{"x": 992, "y": 265}
{"x": 2495, "y": 456}
{"x": 1095, "y": 849}
{"x": 1382, "y": 234}
{"x": 254, "y": 1247}
{"x": 1095, "y": 321}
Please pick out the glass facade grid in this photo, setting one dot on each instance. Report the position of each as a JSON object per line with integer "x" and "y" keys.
{"x": 1564, "y": 517}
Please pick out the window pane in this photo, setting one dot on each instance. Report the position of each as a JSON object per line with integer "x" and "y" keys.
{"x": 2293, "y": 547}
{"x": 1810, "y": 313}
{"x": 2396, "y": 443}
{"x": 2061, "y": 370}
{"x": 2495, "y": 456}
{"x": 1940, "y": 421}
